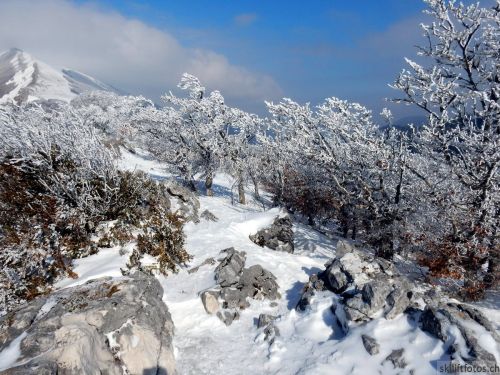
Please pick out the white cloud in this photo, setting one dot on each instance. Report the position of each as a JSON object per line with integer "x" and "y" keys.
{"x": 124, "y": 52}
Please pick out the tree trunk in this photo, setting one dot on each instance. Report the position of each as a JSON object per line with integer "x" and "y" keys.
{"x": 255, "y": 186}
{"x": 241, "y": 190}
{"x": 190, "y": 182}
{"x": 208, "y": 183}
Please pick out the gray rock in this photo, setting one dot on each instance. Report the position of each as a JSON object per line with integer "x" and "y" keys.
{"x": 478, "y": 317}
{"x": 432, "y": 322}
{"x": 208, "y": 261}
{"x": 279, "y": 236}
{"x": 265, "y": 319}
{"x": 343, "y": 247}
{"x": 238, "y": 283}
{"x": 305, "y": 297}
{"x": 271, "y": 332}
{"x": 366, "y": 304}
{"x": 339, "y": 312}
{"x": 477, "y": 355}
{"x": 234, "y": 298}
{"x": 371, "y": 345}
{"x": 399, "y": 299}
{"x": 228, "y": 317}
{"x": 104, "y": 326}
{"x": 207, "y": 215}
{"x": 210, "y": 301}
{"x": 308, "y": 291}
{"x": 336, "y": 279}
{"x": 258, "y": 283}
{"x": 230, "y": 268}
{"x": 397, "y": 358}
{"x": 437, "y": 321}
{"x": 356, "y": 309}
{"x": 188, "y": 204}
{"x": 375, "y": 293}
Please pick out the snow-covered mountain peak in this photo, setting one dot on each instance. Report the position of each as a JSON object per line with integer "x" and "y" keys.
{"x": 25, "y": 79}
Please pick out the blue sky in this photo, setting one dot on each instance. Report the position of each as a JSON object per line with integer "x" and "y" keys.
{"x": 250, "y": 50}
{"x": 313, "y": 49}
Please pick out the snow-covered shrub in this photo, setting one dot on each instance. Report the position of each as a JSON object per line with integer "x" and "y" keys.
{"x": 112, "y": 115}
{"x": 58, "y": 182}
{"x": 39, "y": 232}
{"x": 163, "y": 238}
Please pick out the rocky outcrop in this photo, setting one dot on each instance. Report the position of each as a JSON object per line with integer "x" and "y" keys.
{"x": 111, "y": 326}
{"x": 367, "y": 285}
{"x": 236, "y": 284}
{"x": 278, "y": 237}
{"x": 370, "y": 288}
{"x": 444, "y": 320}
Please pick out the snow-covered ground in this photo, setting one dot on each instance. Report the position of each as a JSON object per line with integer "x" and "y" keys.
{"x": 310, "y": 342}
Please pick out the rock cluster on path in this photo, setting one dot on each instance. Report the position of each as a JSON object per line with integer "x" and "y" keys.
{"x": 278, "y": 237}
{"x": 235, "y": 284}
{"x": 111, "y": 326}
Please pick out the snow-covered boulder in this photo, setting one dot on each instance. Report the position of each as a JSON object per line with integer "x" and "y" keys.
{"x": 111, "y": 326}
{"x": 278, "y": 237}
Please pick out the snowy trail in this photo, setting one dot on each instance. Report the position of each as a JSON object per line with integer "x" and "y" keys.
{"x": 310, "y": 342}
{"x": 204, "y": 344}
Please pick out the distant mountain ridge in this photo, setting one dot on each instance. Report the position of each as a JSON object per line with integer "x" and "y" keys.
{"x": 24, "y": 79}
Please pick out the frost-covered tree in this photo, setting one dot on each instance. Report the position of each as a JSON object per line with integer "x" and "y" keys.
{"x": 239, "y": 148}
{"x": 458, "y": 87}
{"x": 201, "y": 126}
{"x": 337, "y": 160}
{"x": 199, "y": 133}
{"x": 113, "y": 115}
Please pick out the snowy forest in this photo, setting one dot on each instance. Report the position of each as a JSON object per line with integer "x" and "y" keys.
{"x": 425, "y": 195}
